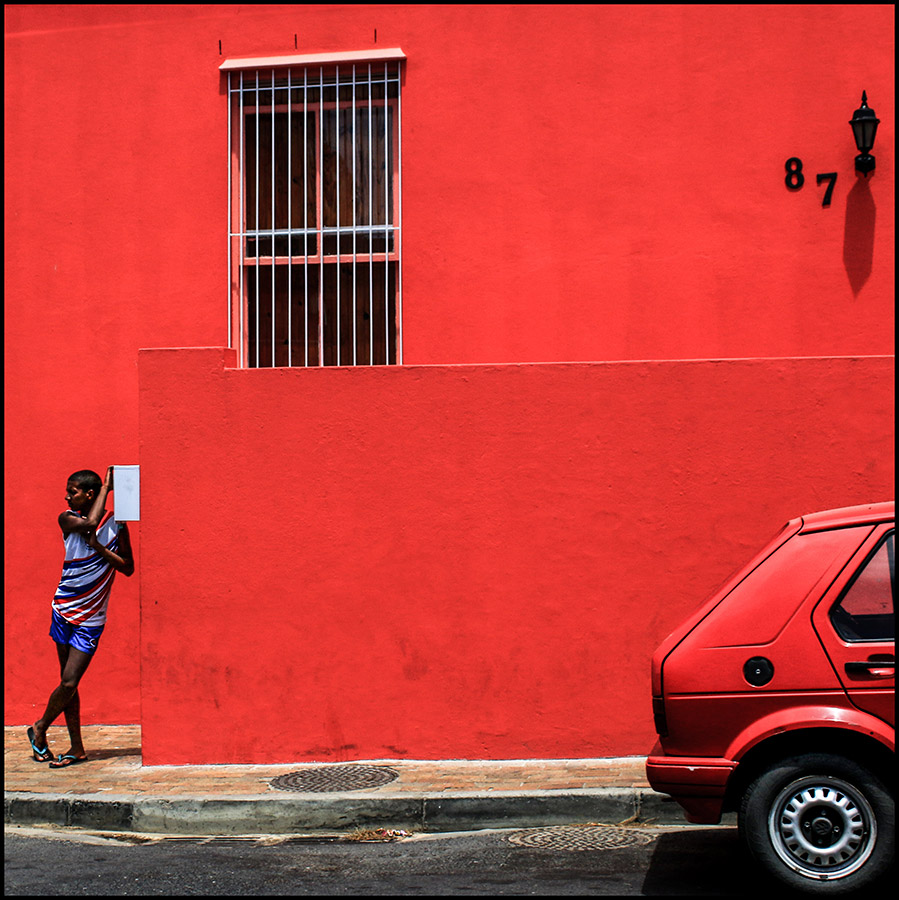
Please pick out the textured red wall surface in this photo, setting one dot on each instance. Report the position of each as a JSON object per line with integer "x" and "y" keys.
{"x": 461, "y": 561}
{"x": 579, "y": 184}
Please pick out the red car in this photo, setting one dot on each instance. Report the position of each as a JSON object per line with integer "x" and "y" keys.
{"x": 776, "y": 700}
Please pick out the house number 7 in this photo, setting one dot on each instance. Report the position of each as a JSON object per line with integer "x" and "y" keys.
{"x": 831, "y": 179}
{"x": 795, "y": 179}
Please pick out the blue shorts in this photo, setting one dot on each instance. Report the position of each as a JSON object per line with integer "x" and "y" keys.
{"x": 81, "y": 637}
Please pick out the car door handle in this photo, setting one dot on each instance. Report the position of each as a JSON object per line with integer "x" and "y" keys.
{"x": 866, "y": 667}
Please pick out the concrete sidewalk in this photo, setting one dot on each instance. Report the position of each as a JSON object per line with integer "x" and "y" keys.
{"x": 115, "y": 792}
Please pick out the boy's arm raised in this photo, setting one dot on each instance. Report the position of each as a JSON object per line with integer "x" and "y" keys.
{"x": 123, "y": 561}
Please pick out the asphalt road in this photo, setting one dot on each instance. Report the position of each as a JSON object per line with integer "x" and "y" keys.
{"x": 662, "y": 861}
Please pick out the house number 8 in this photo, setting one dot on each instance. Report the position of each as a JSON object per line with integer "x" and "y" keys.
{"x": 795, "y": 179}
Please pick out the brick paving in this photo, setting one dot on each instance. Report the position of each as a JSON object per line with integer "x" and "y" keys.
{"x": 115, "y": 768}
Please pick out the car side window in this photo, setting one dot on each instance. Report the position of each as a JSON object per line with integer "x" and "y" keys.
{"x": 865, "y": 610}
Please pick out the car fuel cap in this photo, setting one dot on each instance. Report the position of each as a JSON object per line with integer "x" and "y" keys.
{"x": 758, "y": 670}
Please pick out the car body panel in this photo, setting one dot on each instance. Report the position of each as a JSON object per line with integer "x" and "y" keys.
{"x": 799, "y": 718}
{"x": 668, "y": 645}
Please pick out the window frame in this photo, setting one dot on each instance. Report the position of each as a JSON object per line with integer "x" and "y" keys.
{"x": 297, "y": 73}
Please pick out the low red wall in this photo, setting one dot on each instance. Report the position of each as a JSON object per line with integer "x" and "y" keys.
{"x": 461, "y": 561}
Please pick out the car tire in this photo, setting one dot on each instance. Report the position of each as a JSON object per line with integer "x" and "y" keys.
{"x": 821, "y": 823}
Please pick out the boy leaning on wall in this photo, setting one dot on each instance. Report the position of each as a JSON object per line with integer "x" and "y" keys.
{"x": 96, "y": 547}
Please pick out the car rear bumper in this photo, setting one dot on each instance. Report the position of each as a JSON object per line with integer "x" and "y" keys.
{"x": 697, "y": 784}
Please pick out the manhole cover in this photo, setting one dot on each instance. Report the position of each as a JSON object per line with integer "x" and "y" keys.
{"x": 579, "y": 837}
{"x": 327, "y": 779}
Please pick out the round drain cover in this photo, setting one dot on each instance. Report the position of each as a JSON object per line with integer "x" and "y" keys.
{"x": 325, "y": 779}
{"x": 579, "y": 837}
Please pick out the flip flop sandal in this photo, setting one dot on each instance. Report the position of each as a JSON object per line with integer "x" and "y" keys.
{"x": 37, "y": 754}
{"x": 67, "y": 759}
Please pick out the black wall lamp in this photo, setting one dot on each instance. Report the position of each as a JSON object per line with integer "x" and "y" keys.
{"x": 864, "y": 126}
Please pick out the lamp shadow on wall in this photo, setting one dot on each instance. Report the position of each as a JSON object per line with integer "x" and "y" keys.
{"x": 858, "y": 235}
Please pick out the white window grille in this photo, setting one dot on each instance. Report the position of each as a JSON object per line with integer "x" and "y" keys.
{"x": 315, "y": 247}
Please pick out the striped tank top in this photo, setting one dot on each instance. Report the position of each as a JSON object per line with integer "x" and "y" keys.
{"x": 86, "y": 581}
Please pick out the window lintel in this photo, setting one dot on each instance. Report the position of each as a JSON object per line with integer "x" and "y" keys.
{"x": 298, "y": 60}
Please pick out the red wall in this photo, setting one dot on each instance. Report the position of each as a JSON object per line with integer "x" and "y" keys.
{"x": 461, "y": 561}
{"x": 579, "y": 184}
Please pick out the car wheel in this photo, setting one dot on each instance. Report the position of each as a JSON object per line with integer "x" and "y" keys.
{"x": 821, "y": 823}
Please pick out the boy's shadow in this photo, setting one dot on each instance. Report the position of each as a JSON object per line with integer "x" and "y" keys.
{"x": 115, "y": 752}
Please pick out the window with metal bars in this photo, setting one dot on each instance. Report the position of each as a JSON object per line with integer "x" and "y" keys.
{"x": 315, "y": 240}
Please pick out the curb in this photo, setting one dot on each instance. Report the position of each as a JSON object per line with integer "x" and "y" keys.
{"x": 307, "y": 814}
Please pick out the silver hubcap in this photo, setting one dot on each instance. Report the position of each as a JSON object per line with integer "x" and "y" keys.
{"x": 822, "y": 828}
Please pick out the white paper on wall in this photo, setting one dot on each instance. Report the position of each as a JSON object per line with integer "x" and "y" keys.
{"x": 126, "y": 493}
